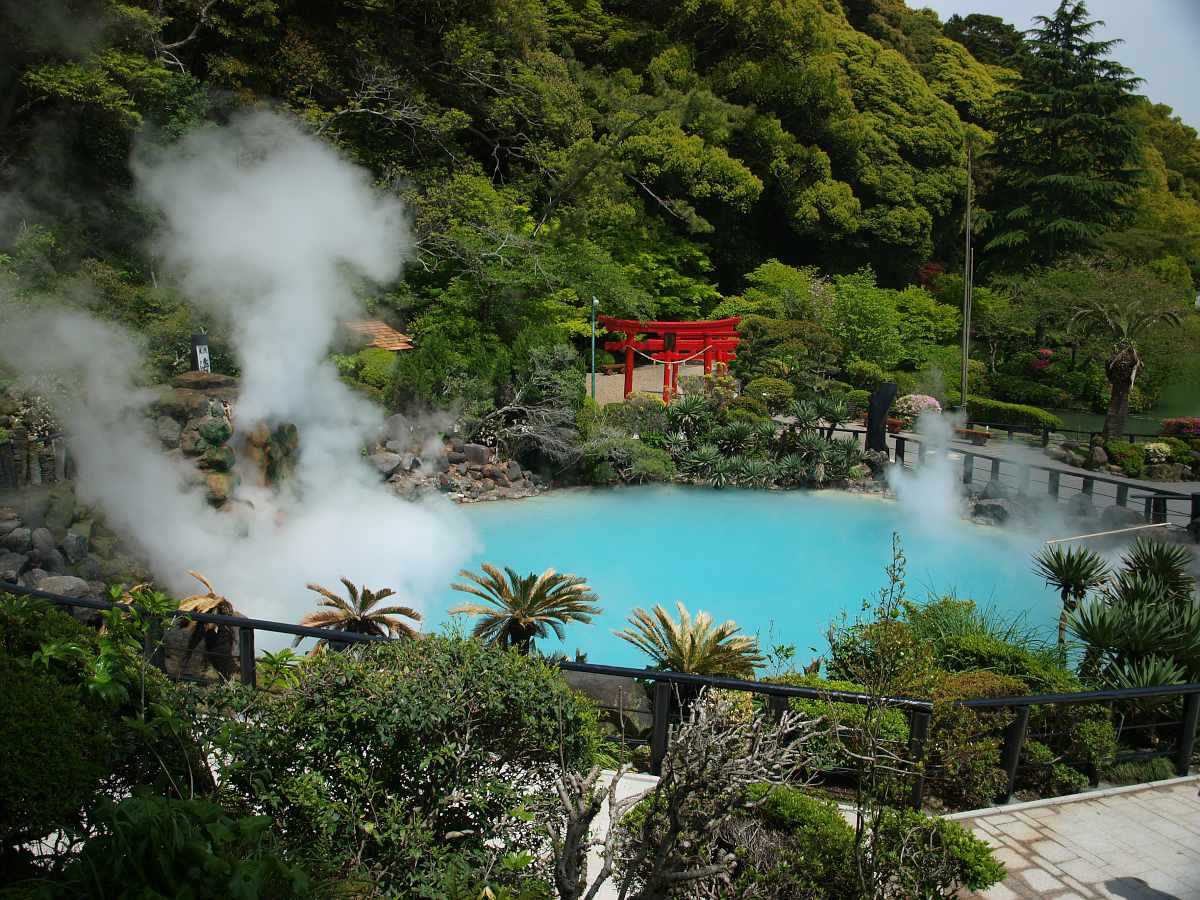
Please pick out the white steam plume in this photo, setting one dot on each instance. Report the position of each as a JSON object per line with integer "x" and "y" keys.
{"x": 269, "y": 228}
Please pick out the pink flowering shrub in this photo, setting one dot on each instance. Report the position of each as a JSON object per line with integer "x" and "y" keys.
{"x": 1042, "y": 360}
{"x": 1184, "y": 427}
{"x": 910, "y": 406}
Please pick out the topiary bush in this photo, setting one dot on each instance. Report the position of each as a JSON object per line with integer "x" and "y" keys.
{"x": 404, "y": 756}
{"x": 775, "y": 393}
{"x": 864, "y": 375}
{"x": 1130, "y": 457}
{"x": 981, "y": 409}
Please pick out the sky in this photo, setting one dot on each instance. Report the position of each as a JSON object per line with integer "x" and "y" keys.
{"x": 1160, "y": 39}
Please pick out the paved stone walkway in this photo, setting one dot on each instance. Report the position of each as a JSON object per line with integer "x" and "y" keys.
{"x": 1141, "y": 843}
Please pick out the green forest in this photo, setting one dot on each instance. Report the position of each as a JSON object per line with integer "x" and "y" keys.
{"x": 801, "y": 163}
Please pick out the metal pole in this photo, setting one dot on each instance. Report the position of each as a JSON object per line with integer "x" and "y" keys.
{"x": 1187, "y": 734}
{"x": 246, "y": 657}
{"x": 968, "y": 278}
{"x": 658, "y": 739}
{"x": 1014, "y": 737}
{"x": 918, "y": 733}
{"x": 595, "y": 303}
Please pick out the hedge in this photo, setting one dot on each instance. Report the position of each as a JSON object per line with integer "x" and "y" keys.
{"x": 983, "y": 409}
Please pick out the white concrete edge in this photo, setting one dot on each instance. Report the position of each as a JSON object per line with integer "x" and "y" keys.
{"x": 1071, "y": 798}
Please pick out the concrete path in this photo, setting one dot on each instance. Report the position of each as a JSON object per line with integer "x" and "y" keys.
{"x": 1138, "y": 843}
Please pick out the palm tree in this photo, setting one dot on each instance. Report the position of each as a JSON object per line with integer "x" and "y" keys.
{"x": 359, "y": 614}
{"x": 1073, "y": 572}
{"x": 520, "y": 608}
{"x": 695, "y": 646}
{"x": 1123, "y": 321}
{"x": 217, "y": 639}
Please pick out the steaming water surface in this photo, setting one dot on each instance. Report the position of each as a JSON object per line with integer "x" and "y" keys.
{"x": 782, "y": 564}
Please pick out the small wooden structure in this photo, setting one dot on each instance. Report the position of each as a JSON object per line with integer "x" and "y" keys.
{"x": 379, "y": 334}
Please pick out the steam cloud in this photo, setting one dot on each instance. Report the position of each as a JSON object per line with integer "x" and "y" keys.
{"x": 270, "y": 229}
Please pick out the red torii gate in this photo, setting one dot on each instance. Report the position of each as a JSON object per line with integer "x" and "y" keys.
{"x": 672, "y": 343}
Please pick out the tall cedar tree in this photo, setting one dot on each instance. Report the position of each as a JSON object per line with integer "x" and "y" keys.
{"x": 1065, "y": 144}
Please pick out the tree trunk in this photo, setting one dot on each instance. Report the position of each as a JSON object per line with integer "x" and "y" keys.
{"x": 1063, "y": 618}
{"x": 1122, "y": 370}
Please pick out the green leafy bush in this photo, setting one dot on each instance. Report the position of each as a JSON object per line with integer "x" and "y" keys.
{"x": 775, "y": 393}
{"x": 1040, "y": 770}
{"x": 1017, "y": 389}
{"x": 860, "y": 401}
{"x": 171, "y": 848}
{"x": 383, "y": 755}
{"x": 933, "y": 857}
{"x": 964, "y": 745}
{"x": 1130, "y": 457}
{"x": 375, "y": 366}
{"x": 864, "y": 375}
{"x": 1040, "y": 673}
{"x": 837, "y": 746}
{"x": 981, "y": 409}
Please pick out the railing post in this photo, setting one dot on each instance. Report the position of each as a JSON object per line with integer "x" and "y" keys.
{"x": 776, "y": 705}
{"x": 1195, "y": 507}
{"x": 246, "y": 656}
{"x": 1187, "y": 734}
{"x": 1122, "y": 495}
{"x": 1089, "y": 485}
{"x": 1045, "y": 435}
{"x": 1052, "y": 481}
{"x": 918, "y": 733}
{"x": 995, "y": 470}
{"x": 1014, "y": 738}
{"x": 900, "y": 450}
{"x": 662, "y": 712}
{"x": 968, "y": 467}
{"x": 152, "y": 645}
{"x": 1158, "y": 508}
{"x": 1023, "y": 481}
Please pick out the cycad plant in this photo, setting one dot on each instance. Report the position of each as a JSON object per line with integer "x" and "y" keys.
{"x": 806, "y": 416}
{"x": 517, "y": 609}
{"x": 754, "y": 473}
{"x": 792, "y": 470}
{"x": 692, "y": 414}
{"x": 835, "y": 411}
{"x": 697, "y": 646}
{"x": 736, "y": 438}
{"x": 701, "y": 461}
{"x": 1169, "y": 563}
{"x": 358, "y": 612}
{"x": 843, "y": 455}
{"x": 1072, "y": 571}
{"x": 814, "y": 450}
{"x": 723, "y": 474}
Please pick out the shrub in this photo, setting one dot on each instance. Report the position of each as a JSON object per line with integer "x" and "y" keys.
{"x": 1016, "y": 389}
{"x": 1093, "y": 743}
{"x": 637, "y": 414}
{"x": 1037, "y": 670}
{"x": 837, "y": 747}
{"x": 748, "y": 409}
{"x": 1130, "y": 457}
{"x": 166, "y": 847}
{"x": 865, "y": 375}
{"x": 1184, "y": 426}
{"x": 381, "y": 754}
{"x": 981, "y": 409}
{"x": 858, "y": 648}
{"x": 1041, "y": 771}
{"x": 1156, "y": 452}
{"x": 1181, "y": 450}
{"x": 375, "y": 366}
{"x": 964, "y": 745}
{"x": 860, "y": 401}
{"x": 775, "y": 393}
{"x": 911, "y": 406}
{"x": 933, "y": 857}
{"x": 1158, "y": 769}
{"x": 53, "y": 764}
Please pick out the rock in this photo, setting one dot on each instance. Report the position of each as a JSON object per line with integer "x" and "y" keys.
{"x": 61, "y": 511}
{"x": 441, "y": 464}
{"x": 997, "y": 511}
{"x": 218, "y": 459}
{"x": 8, "y": 525}
{"x": 395, "y": 446}
{"x": 215, "y": 431}
{"x": 1069, "y": 445}
{"x": 1166, "y": 472}
{"x": 1121, "y": 517}
{"x": 42, "y": 540}
{"x": 1080, "y": 506}
{"x": 385, "y": 462}
{"x": 190, "y": 441}
{"x": 220, "y": 486}
{"x": 12, "y": 564}
{"x": 204, "y": 381}
{"x": 19, "y": 540}
{"x": 65, "y": 586}
{"x": 1098, "y": 457}
{"x": 477, "y": 454}
{"x": 34, "y": 505}
{"x": 74, "y": 547}
{"x": 514, "y": 471}
{"x": 169, "y": 431}
{"x": 89, "y": 568}
{"x": 34, "y": 577}
{"x": 186, "y": 405}
{"x": 83, "y": 528}
{"x": 454, "y": 457}
{"x": 104, "y": 545}
{"x": 994, "y": 490}
{"x": 1058, "y": 453}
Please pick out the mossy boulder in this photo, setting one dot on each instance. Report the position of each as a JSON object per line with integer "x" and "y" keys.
{"x": 218, "y": 459}
{"x": 220, "y": 486}
{"x": 215, "y": 431}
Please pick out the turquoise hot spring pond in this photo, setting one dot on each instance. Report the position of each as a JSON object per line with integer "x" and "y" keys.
{"x": 782, "y": 564}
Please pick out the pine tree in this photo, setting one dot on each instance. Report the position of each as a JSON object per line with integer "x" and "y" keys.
{"x": 1066, "y": 144}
